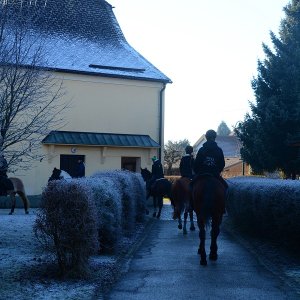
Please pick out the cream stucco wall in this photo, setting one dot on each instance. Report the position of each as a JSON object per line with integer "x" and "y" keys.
{"x": 106, "y": 105}
{"x": 100, "y": 104}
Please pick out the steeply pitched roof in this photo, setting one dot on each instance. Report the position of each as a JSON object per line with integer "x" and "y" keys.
{"x": 230, "y": 145}
{"x": 83, "y": 36}
{"x": 99, "y": 139}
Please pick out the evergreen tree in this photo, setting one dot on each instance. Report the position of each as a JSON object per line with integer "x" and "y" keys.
{"x": 274, "y": 123}
{"x": 223, "y": 129}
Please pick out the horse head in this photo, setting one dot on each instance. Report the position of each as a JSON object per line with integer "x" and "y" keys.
{"x": 55, "y": 174}
{"x": 146, "y": 174}
{"x": 58, "y": 174}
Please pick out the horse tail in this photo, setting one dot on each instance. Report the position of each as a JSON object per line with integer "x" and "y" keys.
{"x": 208, "y": 199}
{"x": 178, "y": 195}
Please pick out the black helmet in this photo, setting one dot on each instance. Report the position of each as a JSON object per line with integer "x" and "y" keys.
{"x": 189, "y": 149}
{"x": 210, "y": 135}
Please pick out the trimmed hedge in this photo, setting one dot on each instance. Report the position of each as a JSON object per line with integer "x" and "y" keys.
{"x": 81, "y": 217}
{"x": 267, "y": 207}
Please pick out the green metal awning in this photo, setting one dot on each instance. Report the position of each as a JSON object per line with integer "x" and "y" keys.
{"x": 99, "y": 139}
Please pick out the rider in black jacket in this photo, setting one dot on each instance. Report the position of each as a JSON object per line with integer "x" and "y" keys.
{"x": 187, "y": 163}
{"x": 157, "y": 169}
{"x": 210, "y": 158}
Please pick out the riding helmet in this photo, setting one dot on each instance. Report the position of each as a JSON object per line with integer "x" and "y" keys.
{"x": 189, "y": 149}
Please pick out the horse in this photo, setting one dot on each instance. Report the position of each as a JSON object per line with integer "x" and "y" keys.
{"x": 58, "y": 174}
{"x": 182, "y": 202}
{"x": 208, "y": 195}
{"x": 13, "y": 186}
{"x": 158, "y": 190}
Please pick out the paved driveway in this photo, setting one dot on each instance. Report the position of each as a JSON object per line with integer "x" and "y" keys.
{"x": 166, "y": 266}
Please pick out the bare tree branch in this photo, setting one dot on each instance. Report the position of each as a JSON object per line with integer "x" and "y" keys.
{"x": 30, "y": 96}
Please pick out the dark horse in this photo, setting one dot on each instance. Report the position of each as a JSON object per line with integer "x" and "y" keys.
{"x": 158, "y": 190}
{"x": 13, "y": 186}
{"x": 182, "y": 202}
{"x": 58, "y": 174}
{"x": 209, "y": 205}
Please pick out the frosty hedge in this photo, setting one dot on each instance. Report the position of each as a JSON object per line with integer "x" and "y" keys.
{"x": 268, "y": 207}
{"x": 82, "y": 217}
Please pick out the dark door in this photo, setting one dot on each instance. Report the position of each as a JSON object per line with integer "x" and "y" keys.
{"x": 69, "y": 163}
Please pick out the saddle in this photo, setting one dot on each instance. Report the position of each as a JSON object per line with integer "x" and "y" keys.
{"x": 5, "y": 185}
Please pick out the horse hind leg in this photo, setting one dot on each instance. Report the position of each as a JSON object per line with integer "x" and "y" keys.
{"x": 160, "y": 205}
{"x": 25, "y": 201}
{"x": 192, "y": 226}
{"x": 13, "y": 202}
{"x": 154, "y": 206}
{"x": 215, "y": 230}
{"x": 185, "y": 215}
{"x": 201, "y": 249}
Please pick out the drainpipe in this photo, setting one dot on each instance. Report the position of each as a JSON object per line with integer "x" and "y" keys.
{"x": 160, "y": 120}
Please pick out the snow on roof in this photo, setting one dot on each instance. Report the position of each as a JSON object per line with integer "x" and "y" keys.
{"x": 83, "y": 36}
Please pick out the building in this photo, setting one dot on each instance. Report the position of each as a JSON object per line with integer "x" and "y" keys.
{"x": 234, "y": 166}
{"x": 116, "y": 116}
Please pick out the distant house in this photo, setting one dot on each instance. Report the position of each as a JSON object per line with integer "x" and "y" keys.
{"x": 234, "y": 166}
{"x": 116, "y": 116}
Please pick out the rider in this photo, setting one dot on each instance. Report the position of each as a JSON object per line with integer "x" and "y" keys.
{"x": 210, "y": 158}
{"x": 157, "y": 169}
{"x": 187, "y": 163}
{"x": 3, "y": 176}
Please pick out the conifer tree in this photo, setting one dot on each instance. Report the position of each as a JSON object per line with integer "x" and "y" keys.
{"x": 266, "y": 135}
{"x": 223, "y": 129}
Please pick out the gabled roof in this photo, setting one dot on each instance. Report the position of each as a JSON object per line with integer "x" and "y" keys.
{"x": 229, "y": 144}
{"x": 83, "y": 36}
{"x": 99, "y": 139}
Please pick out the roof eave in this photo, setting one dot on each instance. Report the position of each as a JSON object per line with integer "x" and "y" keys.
{"x": 100, "y": 145}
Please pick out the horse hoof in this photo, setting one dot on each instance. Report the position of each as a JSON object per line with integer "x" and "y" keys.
{"x": 180, "y": 226}
{"x": 158, "y": 216}
{"x": 10, "y": 213}
{"x": 213, "y": 256}
{"x": 27, "y": 212}
{"x": 184, "y": 231}
{"x": 192, "y": 228}
{"x": 154, "y": 215}
{"x": 203, "y": 262}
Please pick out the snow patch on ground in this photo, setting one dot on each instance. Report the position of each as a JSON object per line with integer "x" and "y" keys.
{"x": 27, "y": 273}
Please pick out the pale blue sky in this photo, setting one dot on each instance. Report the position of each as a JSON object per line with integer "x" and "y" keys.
{"x": 209, "y": 49}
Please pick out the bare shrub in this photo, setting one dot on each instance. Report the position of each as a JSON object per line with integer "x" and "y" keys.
{"x": 66, "y": 225}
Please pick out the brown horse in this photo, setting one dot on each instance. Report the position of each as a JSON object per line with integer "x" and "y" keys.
{"x": 209, "y": 204}
{"x": 18, "y": 188}
{"x": 182, "y": 202}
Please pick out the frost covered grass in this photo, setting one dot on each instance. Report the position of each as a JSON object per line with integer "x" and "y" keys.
{"x": 27, "y": 272}
{"x": 267, "y": 207}
{"x": 81, "y": 217}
